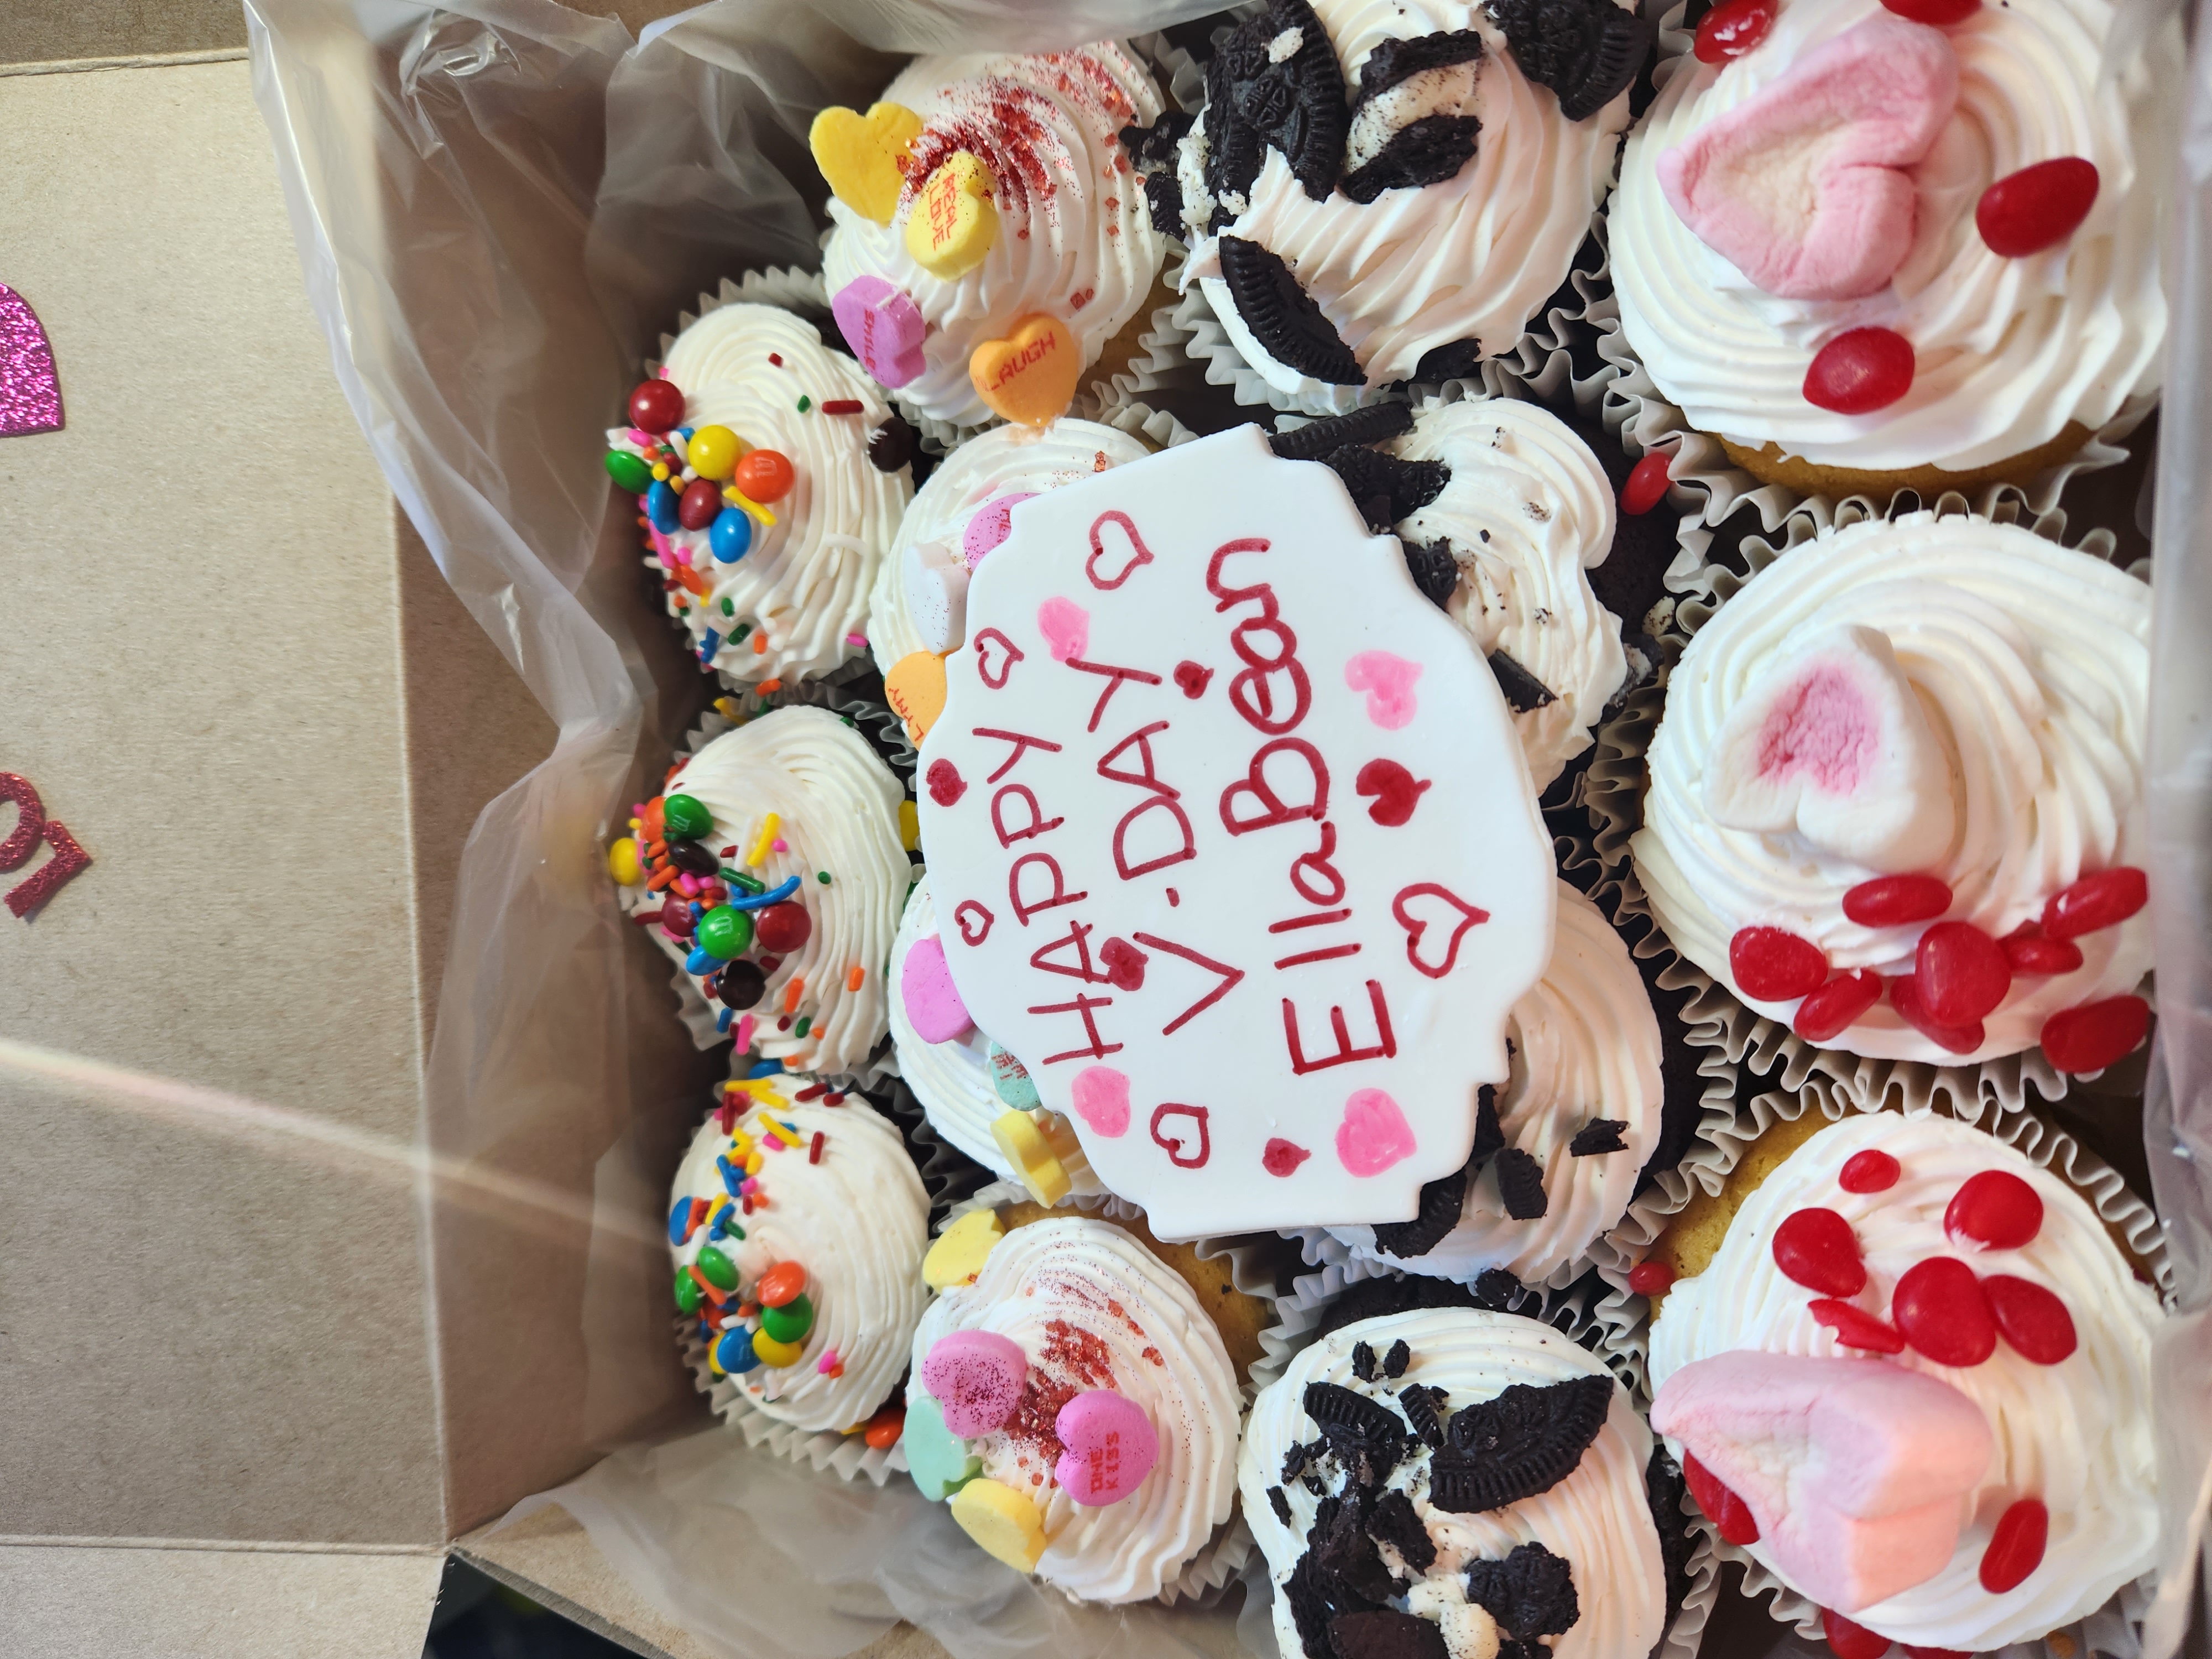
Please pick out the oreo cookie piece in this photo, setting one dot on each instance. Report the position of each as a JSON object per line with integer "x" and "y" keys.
{"x": 1152, "y": 153}
{"x": 1273, "y": 83}
{"x": 1443, "y": 1201}
{"x": 1318, "y": 439}
{"x": 1345, "y": 1558}
{"x": 1585, "y": 51}
{"x": 1489, "y": 1136}
{"x": 1664, "y": 1487}
{"x": 1386, "y": 1634}
{"x": 1435, "y": 570}
{"x": 1366, "y": 1436}
{"x": 1422, "y": 1405}
{"x": 1282, "y": 316}
{"x": 1315, "y": 1602}
{"x": 1391, "y": 1520}
{"x": 1531, "y": 1593}
{"x": 1496, "y": 1289}
{"x": 1278, "y": 1501}
{"x": 1395, "y": 1361}
{"x": 1599, "y": 1135}
{"x": 1520, "y": 1184}
{"x": 1524, "y": 1441}
{"x": 1412, "y": 121}
{"x": 1296, "y": 1459}
{"x": 1363, "y": 1361}
{"x": 1375, "y": 1298}
{"x": 1409, "y": 485}
{"x": 1454, "y": 360}
{"x": 1523, "y": 692}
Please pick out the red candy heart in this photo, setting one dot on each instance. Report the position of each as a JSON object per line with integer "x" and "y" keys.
{"x": 2016, "y": 1546}
{"x": 1869, "y": 1171}
{"x": 1817, "y": 1248}
{"x": 1727, "y": 1511}
{"x": 1936, "y": 13}
{"x": 1396, "y": 792}
{"x": 656, "y": 405}
{"x": 1650, "y": 1277}
{"x": 1124, "y": 965}
{"x": 1648, "y": 479}
{"x": 1854, "y": 1327}
{"x": 1729, "y": 30}
{"x": 1849, "y": 1641}
{"x": 2094, "y": 901}
{"x": 1995, "y": 1209}
{"x": 2026, "y": 952}
{"x": 2037, "y": 208}
{"x": 2092, "y": 1037}
{"x": 1860, "y": 370}
{"x": 1905, "y": 997}
{"x": 1836, "y": 1005}
{"x": 1892, "y": 901}
{"x": 1770, "y": 964}
{"x": 2030, "y": 1318}
{"x": 1939, "y": 1306}
{"x": 1962, "y": 973}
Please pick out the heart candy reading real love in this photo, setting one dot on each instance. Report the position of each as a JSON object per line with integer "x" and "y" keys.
{"x": 953, "y": 223}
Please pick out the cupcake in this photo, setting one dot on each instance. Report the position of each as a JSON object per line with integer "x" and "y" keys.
{"x": 1895, "y": 797}
{"x": 1456, "y": 1482}
{"x": 989, "y": 247}
{"x": 1911, "y": 1378}
{"x": 1378, "y": 193}
{"x": 1072, "y": 1399}
{"x": 1871, "y": 253}
{"x": 766, "y": 501}
{"x": 770, "y": 865}
{"x": 797, "y": 1229}
{"x": 1559, "y": 1149}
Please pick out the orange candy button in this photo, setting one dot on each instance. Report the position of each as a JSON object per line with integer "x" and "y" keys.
{"x": 915, "y": 690}
{"x": 1031, "y": 375}
{"x": 885, "y": 1426}
{"x": 780, "y": 1284}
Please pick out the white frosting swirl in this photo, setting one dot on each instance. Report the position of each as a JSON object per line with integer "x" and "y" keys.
{"x": 1073, "y": 238}
{"x": 2077, "y": 1435}
{"x": 803, "y": 586}
{"x": 2032, "y": 663}
{"x": 2010, "y": 350}
{"x": 858, "y": 1221}
{"x": 1527, "y": 513}
{"x": 837, "y": 810}
{"x": 1473, "y": 257}
{"x": 1084, "y": 1300}
{"x": 1598, "y": 1518}
{"x": 1004, "y": 461}
{"x": 1584, "y": 1044}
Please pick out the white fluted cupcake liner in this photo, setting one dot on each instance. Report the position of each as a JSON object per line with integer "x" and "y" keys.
{"x": 848, "y": 1456}
{"x": 787, "y": 288}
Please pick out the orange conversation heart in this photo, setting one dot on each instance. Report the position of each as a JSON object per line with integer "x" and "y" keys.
{"x": 915, "y": 690}
{"x": 1029, "y": 376}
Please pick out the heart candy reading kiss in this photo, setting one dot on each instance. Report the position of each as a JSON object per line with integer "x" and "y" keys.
{"x": 1111, "y": 1447}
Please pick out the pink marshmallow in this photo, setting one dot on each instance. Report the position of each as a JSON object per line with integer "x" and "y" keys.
{"x": 1857, "y": 1471}
{"x": 1805, "y": 187}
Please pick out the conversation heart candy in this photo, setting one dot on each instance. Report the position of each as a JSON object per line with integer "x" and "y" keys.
{"x": 933, "y": 1002}
{"x": 1028, "y": 377}
{"x": 1003, "y": 1522}
{"x": 937, "y": 1459}
{"x": 960, "y": 1250}
{"x": 935, "y": 580}
{"x": 859, "y": 155}
{"x": 1111, "y": 1447}
{"x": 1024, "y": 1144}
{"x": 975, "y": 1378}
{"x": 915, "y": 690}
{"x": 953, "y": 223}
{"x": 883, "y": 326}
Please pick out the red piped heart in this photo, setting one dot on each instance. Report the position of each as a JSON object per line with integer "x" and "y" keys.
{"x": 2015, "y": 1546}
{"x": 995, "y": 657}
{"x": 1186, "y": 1147}
{"x": 1849, "y": 1641}
{"x": 974, "y": 921}
{"x": 1854, "y": 1327}
{"x": 1772, "y": 964}
{"x": 1905, "y": 997}
{"x": 1869, "y": 1171}
{"x": 1425, "y": 904}
{"x": 1995, "y": 1210}
{"x": 1124, "y": 965}
{"x": 1836, "y": 1005}
{"x": 1282, "y": 1158}
{"x": 2030, "y": 1318}
{"x": 1115, "y": 540}
{"x": 1860, "y": 371}
{"x": 1191, "y": 679}
{"x": 1396, "y": 791}
{"x": 2038, "y": 207}
{"x": 1894, "y": 901}
{"x": 1962, "y": 973}
{"x": 2092, "y": 1037}
{"x": 1727, "y": 1511}
{"x": 946, "y": 786}
{"x": 1939, "y": 1305}
{"x": 1816, "y": 1249}
{"x": 2094, "y": 901}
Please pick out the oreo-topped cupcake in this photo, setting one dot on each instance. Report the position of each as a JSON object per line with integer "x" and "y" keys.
{"x": 1381, "y": 191}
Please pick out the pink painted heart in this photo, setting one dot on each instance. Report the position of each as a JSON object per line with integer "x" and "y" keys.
{"x": 1373, "y": 1133}
{"x": 1388, "y": 680}
{"x": 1434, "y": 919}
{"x": 1111, "y": 1447}
{"x": 1101, "y": 1095}
{"x": 1806, "y": 186}
{"x": 1117, "y": 550}
{"x": 995, "y": 657}
{"x": 1066, "y": 626}
{"x": 990, "y": 525}
{"x": 975, "y": 1378}
{"x": 933, "y": 1006}
{"x": 883, "y": 326}
{"x": 30, "y": 389}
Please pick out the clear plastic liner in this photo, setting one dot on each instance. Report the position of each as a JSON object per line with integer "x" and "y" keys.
{"x": 499, "y": 208}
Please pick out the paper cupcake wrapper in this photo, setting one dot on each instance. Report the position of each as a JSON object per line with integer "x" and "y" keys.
{"x": 786, "y": 287}
{"x": 949, "y": 1176}
{"x": 1613, "y": 797}
{"x": 848, "y": 1456}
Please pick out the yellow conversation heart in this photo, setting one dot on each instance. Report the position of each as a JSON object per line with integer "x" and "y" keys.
{"x": 1030, "y": 377}
{"x": 953, "y": 222}
{"x": 1030, "y": 1152}
{"x": 961, "y": 1250}
{"x": 1003, "y": 1521}
{"x": 859, "y": 155}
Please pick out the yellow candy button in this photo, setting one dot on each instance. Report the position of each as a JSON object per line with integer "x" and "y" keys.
{"x": 714, "y": 451}
{"x": 859, "y": 155}
{"x": 960, "y": 1250}
{"x": 1003, "y": 1521}
{"x": 953, "y": 223}
{"x": 915, "y": 690}
{"x": 621, "y": 862}
{"x": 909, "y": 825}
{"x": 1029, "y": 1150}
{"x": 1030, "y": 376}
{"x": 769, "y": 1352}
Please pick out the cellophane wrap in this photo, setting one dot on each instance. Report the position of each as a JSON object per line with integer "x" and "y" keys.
{"x": 498, "y": 207}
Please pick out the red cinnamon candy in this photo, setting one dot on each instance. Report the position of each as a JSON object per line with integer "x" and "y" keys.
{"x": 1729, "y": 1512}
{"x": 2038, "y": 207}
{"x": 1816, "y": 1249}
{"x": 1848, "y": 1641}
{"x": 1732, "y": 28}
{"x": 1939, "y": 1307}
{"x": 1995, "y": 1209}
{"x": 1962, "y": 973}
{"x": 1860, "y": 371}
{"x": 2016, "y": 1546}
{"x": 1894, "y": 901}
{"x": 1826, "y": 1012}
{"x": 1772, "y": 964}
{"x": 2092, "y": 1037}
{"x": 2095, "y": 901}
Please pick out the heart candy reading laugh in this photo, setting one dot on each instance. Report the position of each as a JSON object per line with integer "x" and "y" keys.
{"x": 1030, "y": 376}
{"x": 1806, "y": 186}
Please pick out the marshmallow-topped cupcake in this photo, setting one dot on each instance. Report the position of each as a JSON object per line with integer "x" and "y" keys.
{"x": 1869, "y": 253}
{"x": 1896, "y": 796}
{"x": 989, "y": 239}
{"x": 765, "y": 511}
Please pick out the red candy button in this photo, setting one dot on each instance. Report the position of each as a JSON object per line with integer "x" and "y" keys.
{"x": 1836, "y": 1005}
{"x": 1891, "y": 900}
{"x": 1939, "y": 1306}
{"x": 1732, "y": 29}
{"x": 1995, "y": 1209}
{"x": 2094, "y": 901}
{"x": 783, "y": 927}
{"x": 1727, "y": 1511}
{"x": 1647, "y": 480}
{"x": 1962, "y": 972}
{"x": 1869, "y": 1171}
{"x": 1905, "y": 997}
{"x": 1912, "y": 1652}
{"x": 1854, "y": 1327}
{"x": 698, "y": 505}
{"x": 1860, "y": 370}
{"x": 2027, "y": 951}
{"x": 2092, "y": 1037}
{"x": 2030, "y": 1318}
{"x": 1849, "y": 1641}
{"x": 1817, "y": 1248}
{"x": 1770, "y": 964}
{"x": 2036, "y": 208}
{"x": 1936, "y": 13}
{"x": 1649, "y": 1278}
{"x": 656, "y": 405}
{"x": 2017, "y": 1547}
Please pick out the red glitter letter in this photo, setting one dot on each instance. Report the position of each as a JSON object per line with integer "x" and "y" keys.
{"x": 45, "y": 881}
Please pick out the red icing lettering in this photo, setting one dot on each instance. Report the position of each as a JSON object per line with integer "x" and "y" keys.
{"x": 974, "y": 921}
{"x": 1180, "y": 1148}
{"x": 26, "y": 896}
{"x": 1076, "y": 940}
{"x": 1037, "y": 824}
{"x": 1097, "y": 1048}
{"x": 1123, "y": 553}
{"x": 1114, "y": 678}
{"x": 1384, "y": 1047}
{"x": 1317, "y": 880}
{"x": 1188, "y": 848}
{"x": 1320, "y": 918}
{"x": 1329, "y": 953}
{"x": 1023, "y": 909}
{"x": 1124, "y": 965}
{"x": 1252, "y": 692}
{"x": 1227, "y": 977}
{"x": 993, "y": 650}
{"x": 1230, "y": 596}
{"x": 1425, "y": 904}
{"x": 30, "y": 820}
{"x": 1021, "y": 746}
{"x": 1149, "y": 779}
{"x": 1273, "y": 810}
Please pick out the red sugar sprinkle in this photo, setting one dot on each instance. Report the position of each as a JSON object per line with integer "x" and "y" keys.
{"x": 812, "y": 1091}
{"x": 776, "y": 357}
{"x": 814, "y": 1151}
{"x": 842, "y": 406}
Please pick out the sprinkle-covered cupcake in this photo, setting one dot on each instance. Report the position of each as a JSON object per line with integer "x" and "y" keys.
{"x": 798, "y": 1228}
{"x": 771, "y": 866}
{"x": 1872, "y": 248}
{"x": 1380, "y": 192}
{"x": 766, "y": 502}
{"x": 989, "y": 243}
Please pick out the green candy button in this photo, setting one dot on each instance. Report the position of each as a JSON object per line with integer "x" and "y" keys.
{"x": 628, "y": 472}
{"x": 726, "y": 932}
{"x": 686, "y": 1293}
{"x": 721, "y": 1272}
{"x": 938, "y": 1460}
{"x": 686, "y": 817}
{"x": 790, "y": 1323}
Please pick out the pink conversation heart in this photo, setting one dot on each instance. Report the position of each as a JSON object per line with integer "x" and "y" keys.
{"x": 975, "y": 1378}
{"x": 1066, "y": 626}
{"x": 989, "y": 525}
{"x": 1374, "y": 1134}
{"x": 1806, "y": 186}
{"x": 1387, "y": 681}
{"x": 883, "y": 326}
{"x": 1102, "y": 1100}
{"x": 933, "y": 1002}
{"x": 30, "y": 390}
{"x": 1111, "y": 1448}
